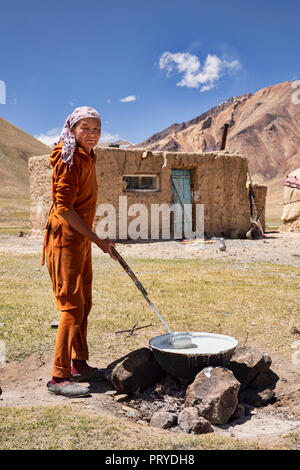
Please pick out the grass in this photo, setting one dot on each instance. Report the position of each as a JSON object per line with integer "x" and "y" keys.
{"x": 66, "y": 428}
{"x": 242, "y": 300}
{"x": 13, "y": 230}
{"x": 256, "y": 301}
{"x": 14, "y": 216}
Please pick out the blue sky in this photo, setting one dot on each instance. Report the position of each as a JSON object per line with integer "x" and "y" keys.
{"x": 142, "y": 65}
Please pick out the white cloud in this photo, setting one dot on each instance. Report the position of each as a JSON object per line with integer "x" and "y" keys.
{"x": 49, "y": 137}
{"x": 128, "y": 99}
{"x": 108, "y": 101}
{"x": 193, "y": 74}
{"x": 107, "y": 137}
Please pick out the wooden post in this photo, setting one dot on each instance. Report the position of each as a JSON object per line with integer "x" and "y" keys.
{"x": 224, "y": 138}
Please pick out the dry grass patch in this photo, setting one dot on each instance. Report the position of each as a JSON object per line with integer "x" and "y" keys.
{"x": 66, "y": 428}
{"x": 256, "y": 301}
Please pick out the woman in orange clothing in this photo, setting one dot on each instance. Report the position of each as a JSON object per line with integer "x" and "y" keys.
{"x": 67, "y": 246}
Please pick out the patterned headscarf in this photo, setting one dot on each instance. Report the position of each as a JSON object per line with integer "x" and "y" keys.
{"x": 67, "y": 137}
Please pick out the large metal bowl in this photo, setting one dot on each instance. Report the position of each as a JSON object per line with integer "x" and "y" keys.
{"x": 210, "y": 350}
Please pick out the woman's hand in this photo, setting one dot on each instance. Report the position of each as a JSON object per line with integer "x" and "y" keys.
{"x": 106, "y": 247}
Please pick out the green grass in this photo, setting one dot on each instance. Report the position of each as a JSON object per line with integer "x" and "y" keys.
{"x": 14, "y": 215}
{"x": 13, "y": 230}
{"x": 65, "y": 428}
{"x": 211, "y": 295}
{"x": 193, "y": 295}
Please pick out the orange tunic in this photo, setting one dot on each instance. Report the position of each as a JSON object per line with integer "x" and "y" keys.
{"x": 68, "y": 254}
{"x": 66, "y": 249}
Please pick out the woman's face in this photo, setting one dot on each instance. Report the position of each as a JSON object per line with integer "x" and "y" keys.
{"x": 87, "y": 133}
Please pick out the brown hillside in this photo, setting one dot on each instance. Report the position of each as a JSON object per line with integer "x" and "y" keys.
{"x": 16, "y": 146}
{"x": 263, "y": 126}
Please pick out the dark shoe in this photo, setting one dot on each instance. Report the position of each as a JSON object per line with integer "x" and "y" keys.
{"x": 92, "y": 374}
{"x": 68, "y": 389}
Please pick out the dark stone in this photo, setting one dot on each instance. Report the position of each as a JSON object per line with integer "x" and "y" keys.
{"x": 264, "y": 380}
{"x": 247, "y": 363}
{"x": 214, "y": 393}
{"x": 190, "y": 421}
{"x": 138, "y": 369}
{"x": 207, "y": 123}
{"x": 163, "y": 419}
{"x": 239, "y": 412}
{"x": 257, "y": 398}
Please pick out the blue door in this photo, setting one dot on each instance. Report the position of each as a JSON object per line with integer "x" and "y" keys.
{"x": 181, "y": 197}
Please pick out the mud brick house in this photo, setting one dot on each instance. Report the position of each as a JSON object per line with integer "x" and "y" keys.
{"x": 217, "y": 181}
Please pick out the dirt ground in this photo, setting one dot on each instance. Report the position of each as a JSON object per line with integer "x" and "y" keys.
{"x": 276, "y": 247}
{"x": 267, "y": 423}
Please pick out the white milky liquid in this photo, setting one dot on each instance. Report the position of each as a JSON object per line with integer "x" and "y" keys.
{"x": 202, "y": 343}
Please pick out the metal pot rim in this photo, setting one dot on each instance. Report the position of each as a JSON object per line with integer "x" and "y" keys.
{"x": 196, "y": 334}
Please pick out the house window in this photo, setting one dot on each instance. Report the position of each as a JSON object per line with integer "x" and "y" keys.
{"x": 133, "y": 183}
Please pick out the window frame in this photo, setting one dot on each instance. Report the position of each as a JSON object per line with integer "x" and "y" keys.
{"x": 142, "y": 190}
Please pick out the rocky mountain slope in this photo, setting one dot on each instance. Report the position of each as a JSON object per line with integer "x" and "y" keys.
{"x": 264, "y": 126}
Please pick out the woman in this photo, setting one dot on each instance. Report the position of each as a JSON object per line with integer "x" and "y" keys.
{"x": 67, "y": 245}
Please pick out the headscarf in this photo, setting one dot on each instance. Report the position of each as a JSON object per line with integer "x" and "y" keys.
{"x": 67, "y": 137}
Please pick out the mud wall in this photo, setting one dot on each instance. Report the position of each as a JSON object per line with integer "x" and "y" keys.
{"x": 291, "y": 203}
{"x": 218, "y": 180}
{"x": 40, "y": 180}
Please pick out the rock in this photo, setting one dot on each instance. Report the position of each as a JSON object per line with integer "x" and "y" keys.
{"x": 121, "y": 397}
{"x": 131, "y": 412}
{"x": 111, "y": 393}
{"x": 257, "y": 398}
{"x": 163, "y": 419}
{"x": 240, "y": 411}
{"x": 171, "y": 383}
{"x": 190, "y": 421}
{"x": 207, "y": 123}
{"x": 247, "y": 362}
{"x": 264, "y": 380}
{"x": 137, "y": 369}
{"x": 295, "y": 329}
{"x": 214, "y": 393}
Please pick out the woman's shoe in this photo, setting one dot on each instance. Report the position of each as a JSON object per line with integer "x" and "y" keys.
{"x": 82, "y": 372}
{"x": 92, "y": 374}
{"x": 68, "y": 389}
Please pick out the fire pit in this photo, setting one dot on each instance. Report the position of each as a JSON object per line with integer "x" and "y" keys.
{"x": 208, "y": 349}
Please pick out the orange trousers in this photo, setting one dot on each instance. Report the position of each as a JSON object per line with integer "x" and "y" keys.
{"x": 69, "y": 262}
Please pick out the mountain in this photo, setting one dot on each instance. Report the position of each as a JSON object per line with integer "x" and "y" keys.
{"x": 16, "y": 146}
{"x": 263, "y": 126}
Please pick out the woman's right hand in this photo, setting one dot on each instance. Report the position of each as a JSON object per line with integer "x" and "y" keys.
{"x": 106, "y": 246}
